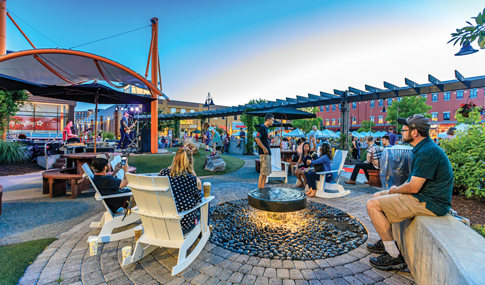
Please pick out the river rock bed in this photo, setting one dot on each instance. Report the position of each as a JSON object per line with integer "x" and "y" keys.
{"x": 320, "y": 231}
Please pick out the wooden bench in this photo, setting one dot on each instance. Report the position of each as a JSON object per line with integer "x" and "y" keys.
{"x": 54, "y": 182}
{"x": 375, "y": 178}
{"x": 1, "y": 193}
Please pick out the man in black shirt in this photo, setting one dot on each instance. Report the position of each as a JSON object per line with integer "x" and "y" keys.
{"x": 242, "y": 137}
{"x": 109, "y": 185}
{"x": 264, "y": 150}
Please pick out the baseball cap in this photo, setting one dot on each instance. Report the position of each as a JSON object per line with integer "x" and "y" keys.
{"x": 417, "y": 122}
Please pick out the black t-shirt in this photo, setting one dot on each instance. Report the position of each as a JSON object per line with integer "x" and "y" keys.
{"x": 243, "y": 134}
{"x": 109, "y": 185}
{"x": 263, "y": 136}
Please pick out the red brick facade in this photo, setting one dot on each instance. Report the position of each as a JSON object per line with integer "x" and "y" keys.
{"x": 443, "y": 103}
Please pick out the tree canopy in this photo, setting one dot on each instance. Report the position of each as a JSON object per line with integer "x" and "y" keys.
{"x": 408, "y": 106}
{"x": 10, "y": 104}
{"x": 470, "y": 33}
{"x": 366, "y": 126}
{"x": 306, "y": 125}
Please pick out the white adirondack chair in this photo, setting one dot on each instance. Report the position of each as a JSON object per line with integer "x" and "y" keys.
{"x": 336, "y": 169}
{"x": 110, "y": 220}
{"x": 161, "y": 221}
{"x": 276, "y": 170}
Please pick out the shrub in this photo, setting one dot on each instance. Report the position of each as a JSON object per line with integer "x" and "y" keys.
{"x": 467, "y": 156}
{"x": 13, "y": 152}
{"x": 108, "y": 135}
{"x": 479, "y": 229}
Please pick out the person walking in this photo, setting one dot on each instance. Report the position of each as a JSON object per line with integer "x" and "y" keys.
{"x": 262, "y": 139}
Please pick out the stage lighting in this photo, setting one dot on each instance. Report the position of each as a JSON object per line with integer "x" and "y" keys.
{"x": 131, "y": 109}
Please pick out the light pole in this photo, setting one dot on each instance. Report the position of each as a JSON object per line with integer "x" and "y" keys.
{"x": 208, "y": 103}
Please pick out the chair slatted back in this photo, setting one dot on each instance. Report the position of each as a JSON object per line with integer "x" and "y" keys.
{"x": 90, "y": 175}
{"x": 151, "y": 196}
{"x": 276, "y": 159}
{"x": 338, "y": 164}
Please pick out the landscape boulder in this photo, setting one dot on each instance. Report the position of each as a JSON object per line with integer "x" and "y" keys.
{"x": 214, "y": 163}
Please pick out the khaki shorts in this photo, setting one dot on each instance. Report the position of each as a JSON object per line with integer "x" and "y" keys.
{"x": 265, "y": 167}
{"x": 399, "y": 207}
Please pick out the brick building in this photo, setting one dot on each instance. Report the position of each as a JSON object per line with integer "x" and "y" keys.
{"x": 444, "y": 106}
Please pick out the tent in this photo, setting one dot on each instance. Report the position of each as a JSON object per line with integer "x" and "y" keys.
{"x": 295, "y": 133}
{"x": 442, "y": 135}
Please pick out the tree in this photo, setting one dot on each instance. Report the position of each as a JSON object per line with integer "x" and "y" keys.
{"x": 473, "y": 117}
{"x": 408, "y": 106}
{"x": 366, "y": 126}
{"x": 470, "y": 33}
{"x": 250, "y": 121}
{"x": 306, "y": 125}
{"x": 10, "y": 104}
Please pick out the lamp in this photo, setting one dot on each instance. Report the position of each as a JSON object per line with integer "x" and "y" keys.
{"x": 465, "y": 50}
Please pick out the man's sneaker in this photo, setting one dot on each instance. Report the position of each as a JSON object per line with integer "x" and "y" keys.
{"x": 377, "y": 247}
{"x": 388, "y": 263}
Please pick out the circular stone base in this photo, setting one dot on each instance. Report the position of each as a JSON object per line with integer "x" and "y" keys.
{"x": 320, "y": 231}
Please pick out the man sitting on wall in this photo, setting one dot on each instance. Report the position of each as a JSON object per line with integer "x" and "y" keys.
{"x": 426, "y": 193}
{"x": 372, "y": 163}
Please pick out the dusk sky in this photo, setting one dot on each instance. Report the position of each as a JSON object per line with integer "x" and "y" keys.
{"x": 241, "y": 50}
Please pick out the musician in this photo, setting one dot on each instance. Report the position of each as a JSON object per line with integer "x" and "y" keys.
{"x": 123, "y": 127}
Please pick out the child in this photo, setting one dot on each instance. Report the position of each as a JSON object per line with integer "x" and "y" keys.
{"x": 212, "y": 137}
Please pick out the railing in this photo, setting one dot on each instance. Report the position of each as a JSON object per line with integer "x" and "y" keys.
{"x": 50, "y": 141}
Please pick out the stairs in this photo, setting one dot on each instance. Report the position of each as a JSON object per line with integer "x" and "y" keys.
{"x": 59, "y": 163}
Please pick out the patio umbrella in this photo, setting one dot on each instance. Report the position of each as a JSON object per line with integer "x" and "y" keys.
{"x": 286, "y": 113}
{"x": 87, "y": 93}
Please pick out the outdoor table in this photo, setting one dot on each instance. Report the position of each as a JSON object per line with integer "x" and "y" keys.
{"x": 395, "y": 165}
{"x": 287, "y": 155}
{"x": 78, "y": 159}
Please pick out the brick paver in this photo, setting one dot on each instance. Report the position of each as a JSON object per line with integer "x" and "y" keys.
{"x": 68, "y": 257}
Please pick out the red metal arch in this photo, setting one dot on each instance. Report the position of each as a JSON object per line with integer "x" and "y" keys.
{"x": 35, "y": 52}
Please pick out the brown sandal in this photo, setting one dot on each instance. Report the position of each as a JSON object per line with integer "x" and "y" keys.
{"x": 313, "y": 193}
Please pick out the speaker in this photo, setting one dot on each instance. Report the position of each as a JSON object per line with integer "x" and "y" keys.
{"x": 145, "y": 140}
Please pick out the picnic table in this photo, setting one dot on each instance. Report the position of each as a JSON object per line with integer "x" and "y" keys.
{"x": 287, "y": 155}
{"x": 78, "y": 159}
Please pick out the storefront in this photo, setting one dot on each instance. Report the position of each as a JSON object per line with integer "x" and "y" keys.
{"x": 42, "y": 115}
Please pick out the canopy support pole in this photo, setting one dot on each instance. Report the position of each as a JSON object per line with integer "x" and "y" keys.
{"x": 3, "y": 41}
{"x": 344, "y": 118}
{"x": 154, "y": 104}
{"x": 96, "y": 122}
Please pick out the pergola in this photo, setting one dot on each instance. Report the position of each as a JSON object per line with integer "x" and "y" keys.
{"x": 344, "y": 97}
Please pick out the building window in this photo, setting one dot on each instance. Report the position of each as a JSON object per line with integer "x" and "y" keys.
{"x": 339, "y": 121}
{"x": 354, "y": 120}
{"x": 333, "y": 107}
{"x": 389, "y": 101}
{"x": 327, "y": 122}
{"x": 446, "y": 116}
{"x": 381, "y": 119}
{"x": 473, "y": 93}
{"x": 446, "y": 96}
{"x": 327, "y": 108}
{"x": 459, "y": 94}
{"x": 333, "y": 122}
{"x": 424, "y": 96}
{"x": 173, "y": 110}
{"x": 434, "y": 116}
{"x": 182, "y": 111}
{"x": 372, "y": 119}
{"x": 435, "y": 97}
{"x": 372, "y": 104}
{"x": 381, "y": 102}
{"x": 399, "y": 99}
{"x": 354, "y": 105}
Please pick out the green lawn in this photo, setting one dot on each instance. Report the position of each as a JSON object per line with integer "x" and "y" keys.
{"x": 155, "y": 163}
{"x": 14, "y": 259}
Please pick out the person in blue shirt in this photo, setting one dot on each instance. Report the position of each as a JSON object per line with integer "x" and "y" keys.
{"x": 392, "y": 136}
{"x": 311, "y": 176}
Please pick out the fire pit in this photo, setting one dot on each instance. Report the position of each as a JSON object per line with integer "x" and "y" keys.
{"x": 277, "y": 199}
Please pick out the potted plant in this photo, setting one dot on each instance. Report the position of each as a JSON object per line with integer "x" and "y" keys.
{"x": 466, "y": 108}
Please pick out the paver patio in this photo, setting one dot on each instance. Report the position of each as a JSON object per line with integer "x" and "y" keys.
{"x": 68, "y": 258}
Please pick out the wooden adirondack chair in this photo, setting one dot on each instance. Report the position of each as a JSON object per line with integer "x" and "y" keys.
{"x": 110, "y": 220}
{"x": 336, "y": 169}
{"x": 161, "y": 221}
{"x": 276, "y": 169}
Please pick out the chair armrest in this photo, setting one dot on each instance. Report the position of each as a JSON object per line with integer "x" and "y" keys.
{"x": 287, "y": 163}
{"x": 126, "y": 194}
{"x": 147, "y": 188}
{"x": 331, "y": 171}
{"x": 204, "y": 201}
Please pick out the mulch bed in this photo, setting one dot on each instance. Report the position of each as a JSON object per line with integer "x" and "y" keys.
{"x": 18, "y": 169}
{"x": 471, "y": 209}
